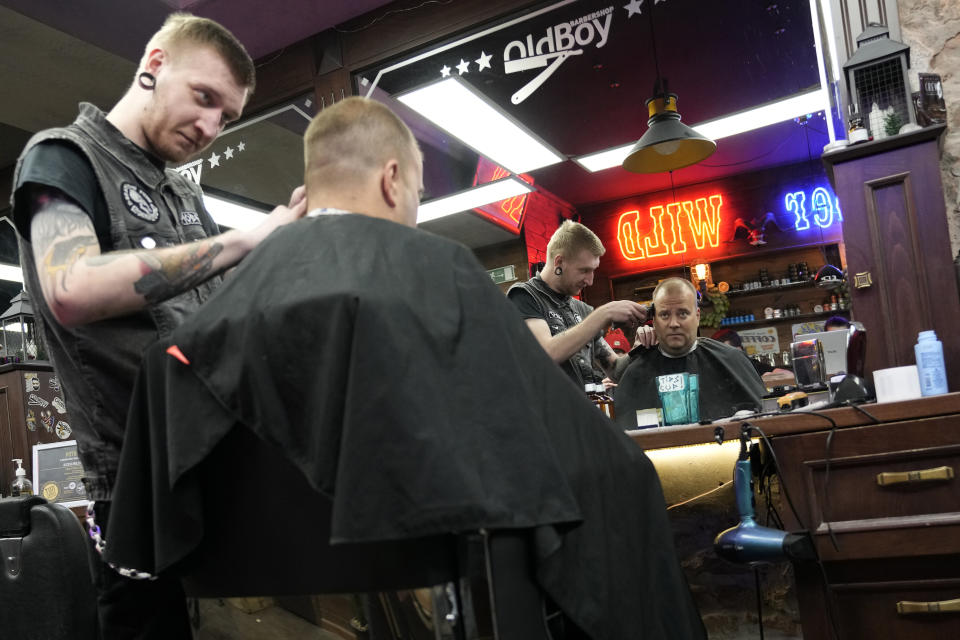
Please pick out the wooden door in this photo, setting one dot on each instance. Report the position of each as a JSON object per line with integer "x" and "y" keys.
{"x": 896, "y": 236}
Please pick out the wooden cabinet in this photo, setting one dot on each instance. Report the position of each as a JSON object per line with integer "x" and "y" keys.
{"x": 898, "y": 246}
{"x": 883, "y": 503}
{"x": 888, "y": 490}
{"x": 31, "y": 412}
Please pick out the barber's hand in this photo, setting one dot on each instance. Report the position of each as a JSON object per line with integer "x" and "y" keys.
{"x": 280, "y": 216}
{"x": 646, "y": 337}
{"x": 624, "y": 312}
{"x": 296, "y": 208}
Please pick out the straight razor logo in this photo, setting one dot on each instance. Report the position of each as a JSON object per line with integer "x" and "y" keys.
{"x": 549, "y": 52}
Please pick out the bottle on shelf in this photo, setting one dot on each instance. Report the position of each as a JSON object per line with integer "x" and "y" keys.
{"x": 930, "y": 364}
{"x": 20, "y": 486}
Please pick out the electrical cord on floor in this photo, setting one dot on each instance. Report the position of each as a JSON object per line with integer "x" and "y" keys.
{"x": 756, "y": 582}
{"x": 831, "y": 597}
{"x": 832, "y": 613}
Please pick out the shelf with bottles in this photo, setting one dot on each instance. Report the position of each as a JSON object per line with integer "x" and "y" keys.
{"x": 772, "y": 288}
{"x": 731, "y": 322}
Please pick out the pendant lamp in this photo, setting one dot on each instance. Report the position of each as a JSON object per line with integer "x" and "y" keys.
{"x": 668, "y": 144}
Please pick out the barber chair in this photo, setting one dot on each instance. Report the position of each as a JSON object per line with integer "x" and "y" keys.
{"x": 46, "y": 590}
{"x": 272, "y": 540}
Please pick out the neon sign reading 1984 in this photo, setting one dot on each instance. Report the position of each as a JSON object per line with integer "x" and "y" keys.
{"x": 823, "y": 207}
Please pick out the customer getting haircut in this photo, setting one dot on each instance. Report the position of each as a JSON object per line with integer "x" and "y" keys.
{"x": 348, "y": 140}
{"x": 181, "y": 31}
{"x": 572, "y": 237}
{"x": 672, "y": 285}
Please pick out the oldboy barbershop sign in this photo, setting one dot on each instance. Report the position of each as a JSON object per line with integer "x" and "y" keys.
{"x": 505, "y": 56}
{"x": 561, "y": 41}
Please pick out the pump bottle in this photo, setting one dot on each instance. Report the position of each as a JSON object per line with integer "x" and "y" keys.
{"x": 21, "y": 486}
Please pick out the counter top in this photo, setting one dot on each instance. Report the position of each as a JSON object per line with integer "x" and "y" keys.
{"x": 799, "y": 421}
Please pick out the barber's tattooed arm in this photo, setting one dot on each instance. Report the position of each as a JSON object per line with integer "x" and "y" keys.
{"x": 166, "y": 276}
{"x": 607, "y": 359}
{"x": 61, "y": 234}
{"x": 81, "y": 285}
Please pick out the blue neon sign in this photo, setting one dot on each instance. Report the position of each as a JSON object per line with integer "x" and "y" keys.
{"x": 824, "y": 207}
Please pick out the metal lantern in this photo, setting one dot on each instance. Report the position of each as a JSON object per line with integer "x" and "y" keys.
{"x": 19, "y": 330}
{"x": 877, "y": 82}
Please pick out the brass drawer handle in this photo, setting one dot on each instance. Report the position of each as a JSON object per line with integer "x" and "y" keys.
{"x": 905, "y": 607}
{"x": 924, "y": 475}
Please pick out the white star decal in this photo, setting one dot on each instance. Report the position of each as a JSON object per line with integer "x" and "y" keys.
{"x": 241, "y": 147}
{"x": 214, "y": 161}
{"x": 483, "y": 62}
{"x": 463, "y": 67}
{"x": 633, "y": 8}
{"x": 445, "y": 72}
{"x": 228, "y": 152}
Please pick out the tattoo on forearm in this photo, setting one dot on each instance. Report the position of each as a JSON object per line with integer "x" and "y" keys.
{"x": 61, "y": 234}
{"x": 607, "y": 358}
{"x": 168, "y": 276}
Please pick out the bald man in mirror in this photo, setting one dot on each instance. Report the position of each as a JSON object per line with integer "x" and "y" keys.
{"x": 728, "y": 381}
{"x": 569, "y": 330}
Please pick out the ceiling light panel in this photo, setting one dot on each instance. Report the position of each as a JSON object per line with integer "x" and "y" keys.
{"x": 472, "y": 198}
{"x": 456, "y": 108}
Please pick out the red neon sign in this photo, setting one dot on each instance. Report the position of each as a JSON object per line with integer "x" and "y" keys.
{"x": 697, "y": 219}
{"x": 513, "y": 206}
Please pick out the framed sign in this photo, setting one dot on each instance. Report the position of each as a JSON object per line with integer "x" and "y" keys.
{"x": 58, "y": 473}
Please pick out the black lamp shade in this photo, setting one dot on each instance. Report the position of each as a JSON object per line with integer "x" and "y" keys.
{"x": 668, "y": 144}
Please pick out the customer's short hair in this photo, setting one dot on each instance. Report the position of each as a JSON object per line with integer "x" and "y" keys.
{"x": 729, "y": 336}
{"x": 353, "y": 137}
{"x": 181, "y": 30}
{"x": 672, "y": 285}
{"x": 571, "y": 238}
{"x": 836, "y": 321}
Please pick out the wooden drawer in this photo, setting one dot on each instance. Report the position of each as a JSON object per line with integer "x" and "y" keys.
{"x": 898, "y": 484}
{"x": 841, "y": 493}
{"x": 869, "y": 610}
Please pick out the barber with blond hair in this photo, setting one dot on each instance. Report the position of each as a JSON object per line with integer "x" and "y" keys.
{"x": 117, "y": 250}
{"x": 570, "y": 330}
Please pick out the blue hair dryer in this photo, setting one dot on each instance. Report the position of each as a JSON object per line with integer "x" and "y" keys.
{"x": 749, "y": 542}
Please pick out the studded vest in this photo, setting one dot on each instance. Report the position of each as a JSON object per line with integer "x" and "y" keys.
{"x": 97, "y": 362}
{"x": 562, "y": 312}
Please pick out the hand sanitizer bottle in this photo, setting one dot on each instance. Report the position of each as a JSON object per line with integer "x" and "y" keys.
{"x": 21, "y": 486}
{"x": 930, "y": 364}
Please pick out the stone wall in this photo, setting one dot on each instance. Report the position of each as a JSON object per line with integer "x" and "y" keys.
{"x": 931, "y": 28}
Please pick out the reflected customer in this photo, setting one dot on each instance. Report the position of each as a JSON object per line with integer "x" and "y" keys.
{"x": 728, "y": 381}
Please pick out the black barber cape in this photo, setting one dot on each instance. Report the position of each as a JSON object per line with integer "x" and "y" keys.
{"x": 727, "y": 379}
{"x": 401, "y": 382}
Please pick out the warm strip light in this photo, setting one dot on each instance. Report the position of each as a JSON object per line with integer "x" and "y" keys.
{"x": 472, "y": 198}
{"x": 233, "y": 215}
{"x": 463, "y": 113}
{"x": 11, "y": 272}
{"x": 725, "y": 127}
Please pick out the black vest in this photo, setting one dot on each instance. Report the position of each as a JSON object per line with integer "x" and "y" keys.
{"x": 562, "y": 312}
{"x": 97, "y": 362}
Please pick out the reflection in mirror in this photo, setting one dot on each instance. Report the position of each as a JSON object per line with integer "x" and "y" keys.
{"x": 259, "y": 160}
